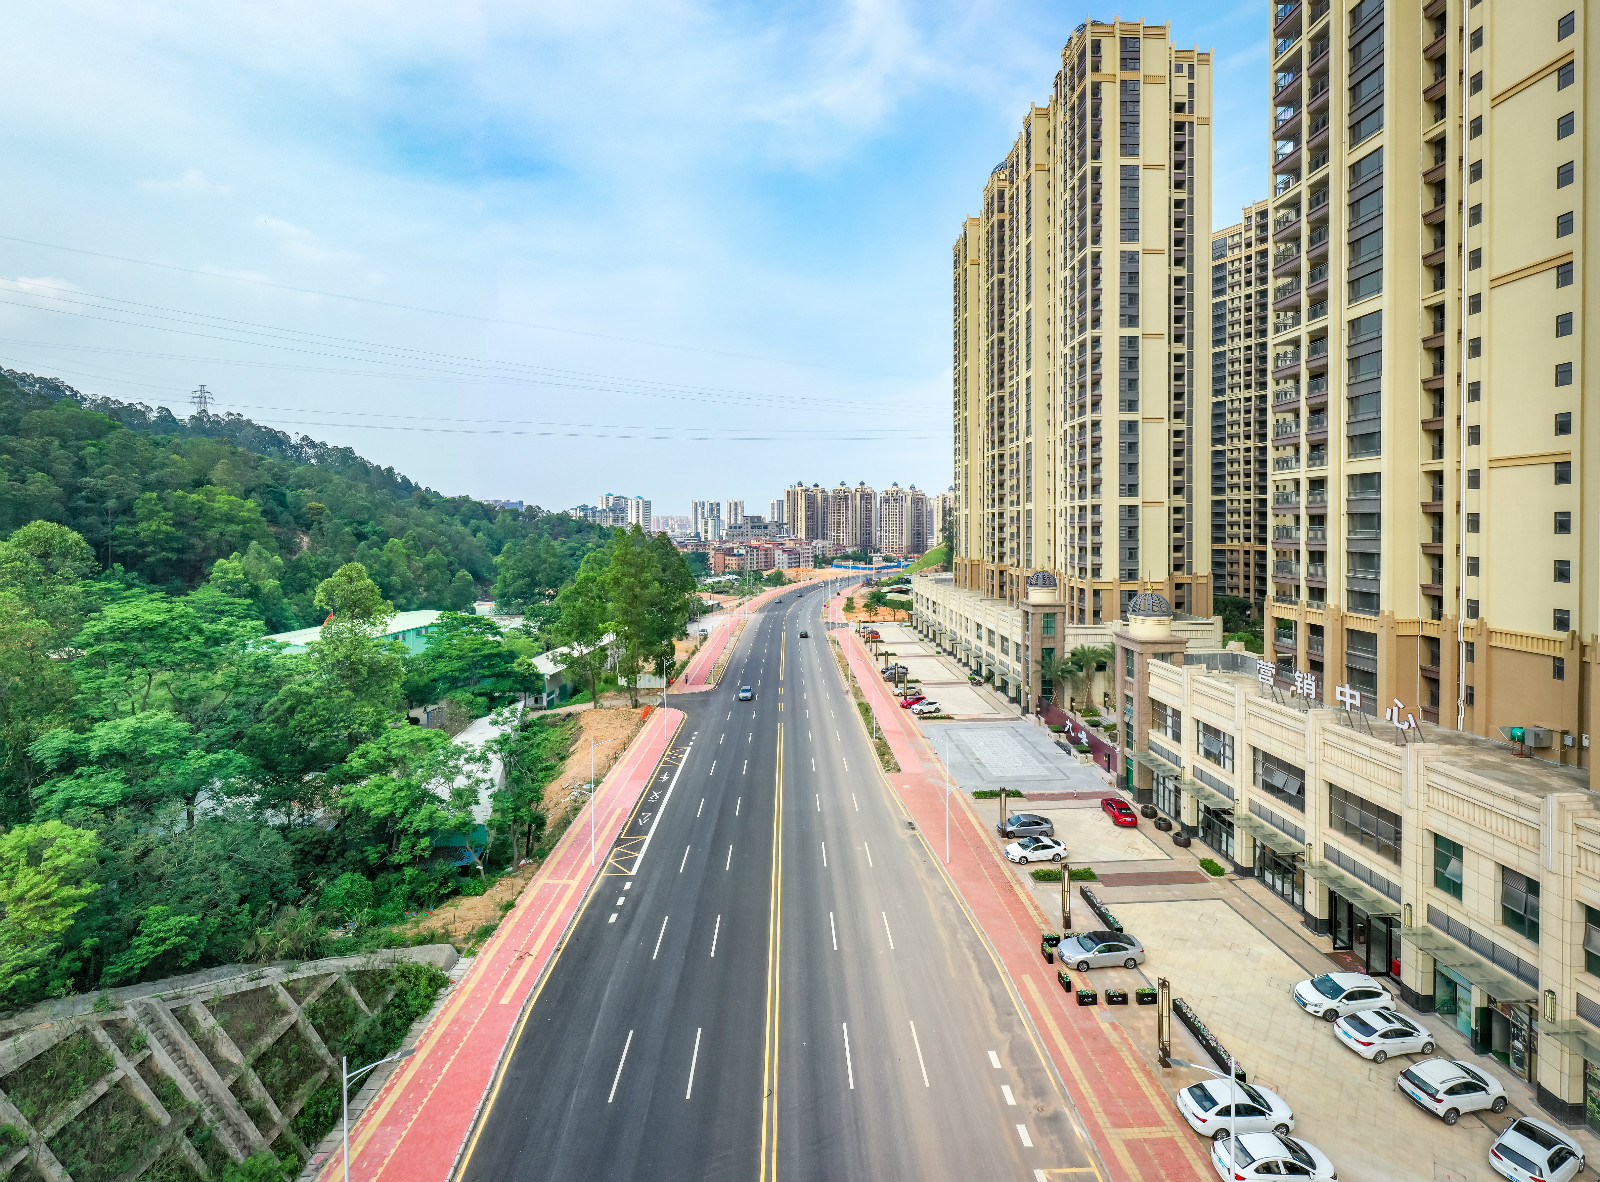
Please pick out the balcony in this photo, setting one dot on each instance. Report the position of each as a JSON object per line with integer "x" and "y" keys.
{"x": 1435, "y": 215}
{"x": 1285, "y": 123}
{"x": 1285, "y": 19}
{"x": 1283, "y": 644}
{"x": 1317, "y": 427}
{"x": 1286, "y": 571}
{"x": 1285, "y": 396}
{"x": 1285, "y": 533}
{"x": 1436, "y": 47}
{"x": 1285, "y": 501}
{"x": 1286, "y": 361}
{"x": 1436, "y": 88}
{"x": 1286, "y": 258}
{"x": 1317, "y": 457}
{"x": 1286, "y": 464}
{"x": 1317, "y": 537}
{"x": 1317, "y": 133}
{"x": 1317, "y": 576}
{"x": 1285, "y": 431}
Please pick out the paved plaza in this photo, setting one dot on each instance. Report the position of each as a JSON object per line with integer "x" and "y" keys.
{"x": 1012, "y": 754}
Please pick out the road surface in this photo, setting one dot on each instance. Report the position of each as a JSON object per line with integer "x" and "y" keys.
{"x": 773, "y": 980}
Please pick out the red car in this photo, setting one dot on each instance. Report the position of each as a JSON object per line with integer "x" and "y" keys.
{"x": 1119, "y": 810}
{"x": 911, "y": 700}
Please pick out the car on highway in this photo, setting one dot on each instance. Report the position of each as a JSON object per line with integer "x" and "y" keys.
{"x": 1035, "y": 849}
{"x": 1269, "y": 1155}
{"x": 1448, "y": 1087}
{"x": 1119, "y": 810}
{"x": 910, "y": 700}
{"x": 746, "y": 693}
{"x": 1026, "y": 825}
{"x": 1333, "y": 995}
{"x": 1223, "y": 1107}
{"x": 1377, "y": 1034}
{"x": 927, "y": 707}
{"x": 1532, "y": 1151}
{"x": 1100, "y": 950}
{"x": 804, "y": 635}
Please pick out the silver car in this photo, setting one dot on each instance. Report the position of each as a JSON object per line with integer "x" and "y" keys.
{"x": 1447, "y": 1088}
{"x": 746, "y": 693}
{"x": 1100, "y": 950}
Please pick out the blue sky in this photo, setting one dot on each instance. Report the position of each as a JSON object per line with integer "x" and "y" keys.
{"x": 541, "y": 250}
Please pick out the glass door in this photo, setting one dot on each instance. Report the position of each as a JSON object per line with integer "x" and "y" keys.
{"x": 1341, "y": 921}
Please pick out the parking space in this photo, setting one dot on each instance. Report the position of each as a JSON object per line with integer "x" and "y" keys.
{"x": 1011, "y": 754}
{"x": 1091, "y": 837}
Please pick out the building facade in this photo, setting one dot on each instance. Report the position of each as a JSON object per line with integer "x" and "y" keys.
{"x": 1240, "y": 286}
{"x": 902, "y": 526}
{"x": 1430, "y": 214}
{"x": 852, "y": 516}
{"x": 775, "y": 511}
{"x": 734, "y": 515}
{"x": 806, "y": 511}
{"x": 706, "y": 518}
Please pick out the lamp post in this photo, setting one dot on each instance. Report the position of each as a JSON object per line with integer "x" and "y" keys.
{"x": 345, "y": 1076}
{"x": 591, "y": 792}
{"x": 1235, "y": 1092}
{"x": 1066, "y": 895}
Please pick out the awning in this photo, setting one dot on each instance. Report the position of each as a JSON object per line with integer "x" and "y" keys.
{"x": 1273, "y": 839}
{"x": 1577, "y": 1036}
{"x": 1156, "y": 764}
{"x": 1207, "y": 795}
{"x": 1502, "y": 986}
{"x": 1352, "y": 888}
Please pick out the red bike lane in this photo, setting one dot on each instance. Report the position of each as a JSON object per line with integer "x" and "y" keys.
{"x": 1114, "y": 1086}
{"x": 417, "y": 1125}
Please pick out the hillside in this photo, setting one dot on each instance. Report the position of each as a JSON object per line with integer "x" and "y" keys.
{"x": 164, "y": 499}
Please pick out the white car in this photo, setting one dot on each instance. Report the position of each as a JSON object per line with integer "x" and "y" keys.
{"x": 1377, "y": 1034}
{"x": 1333, "y": 995}
{"x": 1035, "y": 849}
{"x": 1269, "y": 1155}
{"x": 1530, "y": 1149}
{"x": 1447, "y": 1088}
{"x": 1218, "y": 1108}
{"x": 926, "y": 707}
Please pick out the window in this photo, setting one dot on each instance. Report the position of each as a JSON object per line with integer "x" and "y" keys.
{"x": 1448, "y": 875}
{"x": 1563, "y": 523}
{"x": 1564, "y": 174}
{"x": 1005, "y": 645}
{"x": 1365, "y": 207}
{"x": 1591, "y": 941}
{"x": 1558, "y": 667}
{"x": 1472, "y": 523}
{"x": 1476, "y": 83}
{"x": 1564, "y": 423}
{"x": 1564, "y": 275}
{"x": 1368, "y": 824}
{"x": 1370, "y": 85}
{"x": 1365, "y": 167}
{"x": 1366, "y": 247}
{"x": 1563, "y": 573}
{"x": 1475, "y": 128}
{"x": 1475, "y": 258}
{"x": 1216, "y": 746}
{"x": 1561, "y": 621}
{"x": 1563, "y": 471}
{"x": 1366, "y": 127}
{"x": 1564, "y": 224}
{"x": 1472, "y": 477}
{"x": 1476, "y": 40}
{"x": 1519, "y": 903}
{"x": 1367, "y": 285}
{"x": 1566, "y": 25}
{"x": 1280, "y": 778}
{"x": 1471, "y": 697}
{"x": 1366, "y": 445}
{"x": 1565, "y": 76}
{"x": 1474, "y": 304}
{"x": 1474, "y": 435}
{"x": 1475, "y": 171}
{"x": 1472, "y": 651}
{"x": 1472, "y": 605}
{"x": 1165, "y": 719}
{"x": 1564, "y": 324}
{"x": 1474, "y": 391}
{"x": 1564, "y": 125}
{"x": 1564, "y": 373}
{"x": 1047, "y": 623}
{"x": 1472, "y": 565}
{"x": 1475, "y": 214}
{"x": 1474, "y": 346}
{"x": 1364, "y": 328}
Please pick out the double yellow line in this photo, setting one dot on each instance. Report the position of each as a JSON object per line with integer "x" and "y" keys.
{"x": 769, "y": 1068}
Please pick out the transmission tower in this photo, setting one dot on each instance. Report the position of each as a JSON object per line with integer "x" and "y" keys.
{"x": 202, "y": 399}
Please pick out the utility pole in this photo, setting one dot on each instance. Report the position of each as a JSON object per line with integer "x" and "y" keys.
{"x": 201, "y": 400}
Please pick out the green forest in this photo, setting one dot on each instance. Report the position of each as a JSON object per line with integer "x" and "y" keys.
{"x": 177, "y": 792}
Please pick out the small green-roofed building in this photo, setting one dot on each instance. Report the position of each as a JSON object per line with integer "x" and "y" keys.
{"x": 410, "y": 628}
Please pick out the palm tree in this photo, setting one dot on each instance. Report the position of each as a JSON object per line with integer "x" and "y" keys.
{"x": 1081, "y": 665}
{"x": 1053, "y": 670}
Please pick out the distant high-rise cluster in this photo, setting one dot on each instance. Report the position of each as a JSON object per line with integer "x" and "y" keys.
{"x": 617, "y": 511}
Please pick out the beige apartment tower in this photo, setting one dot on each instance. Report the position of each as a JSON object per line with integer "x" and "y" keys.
{"x": 1431, "y": 495}
{"x": 1240, "y": 293}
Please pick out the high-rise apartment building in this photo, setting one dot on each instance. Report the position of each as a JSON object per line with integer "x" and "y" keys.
{"x": 734, "y": 515}
{"x": 1240, "y": 286}
{"x": 806, "y": 511}
{"x": 639, "y": 513}
{"x": 902, "y": 526}
{"x": 852, "y": 516}
{"x": 707, "y": 520}
{"x": 775, "y": 510}
{"x": 1430, "y": 210}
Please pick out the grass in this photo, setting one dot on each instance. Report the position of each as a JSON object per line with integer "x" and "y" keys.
{"x": 1212, "y": 867}
{"x": 51, "y": 1079}
{"x": 932, "y": 558}
{"x": 106, "y": 1139}
{"x": 246, "y": 1016}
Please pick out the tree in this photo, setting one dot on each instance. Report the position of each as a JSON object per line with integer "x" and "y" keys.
{"x": 1052, "y": 671}
{"x": 362, "y": 672}
{"x": 582, "y": 627}
{"x": 947, "y": 539}
{"x": 467, "y": 652}
{"x": 417, "y": 786}
{"x": 1082, "y": 662}
{"x": 45, "y": 881}
{"x": 877, "y": 600}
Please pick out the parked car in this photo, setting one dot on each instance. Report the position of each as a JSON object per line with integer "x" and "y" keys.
{"x": 1218, "y": 1108}
{"x": 1100, "y": 950}
{"x": 1333, "y": 995}
{"x": 746, "y": 693}
{"x": 891, "y": 670}
{"x": 1530, "y": 1150}
{"x": 1448, "y": 1087}
{"x": 1035, "y": 849}
{"x": 911, "y": 700}
{"x": 927, "y": 707}
{"x": 1269, "y": 1155}
{"x": 1026, "y": 825}
{"x": 1377, "y": 1034}
{"x": 1119, "y": 810}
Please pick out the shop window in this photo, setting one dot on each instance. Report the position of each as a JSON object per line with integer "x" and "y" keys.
{"x": 1447, "y": 868}
{"x": 1369, "y": 824}
{"x": 1279, "y": 778}
{"x": 1166, "y": 720}
{"x": 1216, "y": 746}
{"x": 1519, "y": 903}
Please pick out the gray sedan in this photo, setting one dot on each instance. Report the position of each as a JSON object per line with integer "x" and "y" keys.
{"x": 1100, "y": 950}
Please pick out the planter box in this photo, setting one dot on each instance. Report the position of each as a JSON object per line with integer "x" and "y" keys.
{"x": 1161, "y": 823}
{"x": 1088, "y": 997}
{"x": 1180, "y": 839}
{"x": 1148, "y": 812}
{"x": 1145, "y": 997}
{"x": 1102, "y": 913}
{"x": 1116, "y": 997}
{"x": 1065, "y": 978}
{"x": 1048, "y": 952}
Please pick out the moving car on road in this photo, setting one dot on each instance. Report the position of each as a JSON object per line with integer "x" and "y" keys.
{"x": 1035, "y": 849}
{"x": 1219, "y": 1108}
{"x": 1447, "y": 1088}
{"x": 1530, "y": 1151}
{"x": 1377, "y": 1034}
{"x": 1100, "y": 950}
{"x": 1333, "y": 995}
{"x": 1026, "y": 825}
{"x": 1269, "y": 1155}
{"x": 1119, "y": 810}
{"x": 746, "y": 693}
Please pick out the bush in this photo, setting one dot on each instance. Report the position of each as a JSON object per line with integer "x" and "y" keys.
{"x": 1046, "y": 873}
{"x": 348, "y": 895}
{"x": 474, "y": 886}
{"x": 993, "y": 793}
{"x": 1212, "y": 867}
{"x": 1084, "y": 874}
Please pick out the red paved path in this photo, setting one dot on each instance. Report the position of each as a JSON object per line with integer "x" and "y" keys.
{"x": 1111, "y": 1080}
{"x": 458, "y": 1053}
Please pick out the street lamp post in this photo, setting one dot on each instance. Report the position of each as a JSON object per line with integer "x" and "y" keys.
{"x": 1235, "y": 1092}
{"x": 591, "y": 792}
{"x": 345, "y": 1076}
{"x": 1066, "y": 895}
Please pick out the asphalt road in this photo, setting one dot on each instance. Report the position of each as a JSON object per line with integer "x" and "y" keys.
{"x": 772, "y": 980}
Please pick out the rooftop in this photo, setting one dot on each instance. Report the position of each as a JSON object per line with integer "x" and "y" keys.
{"x": 398, "y": 623}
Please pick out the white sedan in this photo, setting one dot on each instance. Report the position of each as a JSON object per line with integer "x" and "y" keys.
{"x": 1333, "y": 995}
{"x": 1269, "y": 1155}
{"x": 1035, "y": 849}
{"x": 1219, "y": 1108}
{"x": 1448, "y": 1087}
{"x": 1377, "y": 1034}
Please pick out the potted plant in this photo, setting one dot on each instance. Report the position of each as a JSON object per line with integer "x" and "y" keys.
{"x": 1065, "y": 978}
{"x": 1145, "y": 995}
{"x": 1047, "y": 946}
{"x": 1088, "y": 997}
{"x": 1147, "y": 811}
{"x": 1116, "y": 997}
{"x": 1163, "y": 823}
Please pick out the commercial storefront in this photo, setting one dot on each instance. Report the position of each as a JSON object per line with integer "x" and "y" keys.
{"x": 1361, "y": 921}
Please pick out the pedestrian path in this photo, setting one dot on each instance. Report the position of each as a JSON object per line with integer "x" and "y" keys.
{"x": 1111, "y": 1079}
{"x": 416, "y": 1126}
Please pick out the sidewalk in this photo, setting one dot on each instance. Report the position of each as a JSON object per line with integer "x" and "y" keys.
{"x": 1111, "y": 1079}
{"x": 457, "y": 1056}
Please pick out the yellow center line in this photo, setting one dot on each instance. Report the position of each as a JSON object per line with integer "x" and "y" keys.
{"x": 769, "y": 1070}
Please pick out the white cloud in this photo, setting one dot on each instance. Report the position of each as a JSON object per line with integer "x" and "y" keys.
{"x": 192, "y": 182}
{"x": 46, "y": 286}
